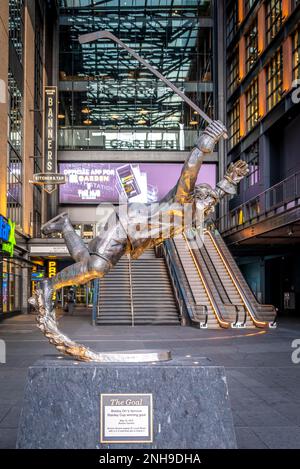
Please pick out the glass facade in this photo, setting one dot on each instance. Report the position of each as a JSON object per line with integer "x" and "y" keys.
{"x": 251, "y": 38}
{"x": 274, "y": 80}
{"x": 15, "y": 112}
{"x": 232, "y": 20}
{"x": 38, "y": 119}
{"x": 252, "y": 111}
{"x": 108, "y": 101}
{"x": 273, "y": 18}
{"x": 248, "y": 5}
{"x": 11, "y": 287}
{"x": 16, "y": 26}
{"x": 233, "y": 71}
{"x": 234, "y": 125}
{"x": 252, "y": 158}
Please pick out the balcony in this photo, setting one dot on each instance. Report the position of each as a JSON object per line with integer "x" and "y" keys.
{"x": 274, "y": 208}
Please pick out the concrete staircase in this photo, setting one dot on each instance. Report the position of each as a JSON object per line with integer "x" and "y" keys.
{"x": 152, "y": 300}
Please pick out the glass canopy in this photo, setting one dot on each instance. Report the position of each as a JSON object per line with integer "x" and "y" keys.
{"x": 108, "y": 100}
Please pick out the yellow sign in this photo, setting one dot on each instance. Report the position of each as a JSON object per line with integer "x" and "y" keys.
{"x": 52, "y": 269}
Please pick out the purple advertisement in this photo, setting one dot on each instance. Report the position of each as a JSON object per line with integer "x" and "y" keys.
{"x": 94, "y": 183}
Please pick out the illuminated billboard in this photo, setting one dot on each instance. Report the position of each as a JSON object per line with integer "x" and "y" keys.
{"x": 94, "y": 183}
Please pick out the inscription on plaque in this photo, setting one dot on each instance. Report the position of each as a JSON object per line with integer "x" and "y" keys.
{"x": 126, "y": 418}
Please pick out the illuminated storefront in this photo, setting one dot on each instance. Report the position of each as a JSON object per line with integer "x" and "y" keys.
{"x": 10, "y": 270}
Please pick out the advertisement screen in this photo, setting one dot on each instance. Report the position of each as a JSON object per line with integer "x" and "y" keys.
{"x": 94, "y": 183}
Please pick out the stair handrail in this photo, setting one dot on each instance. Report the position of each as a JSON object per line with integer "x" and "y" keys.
{"x": 203, "y": 325}
{"x": 238, "y": 316}
{"x": 207, "y": 288}
{"x": 273, "y": 324}
{"x": 186, "y": 310}
{"x": 236, "y": 282}
{"x": 204, "y": 253}
{"x": 252, "y": 298}
{"x": 130, "y": 290}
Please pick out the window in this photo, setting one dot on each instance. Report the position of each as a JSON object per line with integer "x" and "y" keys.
{"x": 16, "y": 26}
{"x": 252, "y": 158}
{"x": 233, "y": 71}
{"x": 232, "y": 20}
{"x": 14, "y": 169}
{"x": 296, "y": 55}
{"x": 252, "y": 105}
{"x": 274, "y": 80}
{"x": 38, "y": 105}
{"x": 251, "y": 45}
{"x": 248, "y": 5}
{"x": 108, "y": 100}
{"x": 14, "y": 187}
{"x": 15, "y": 113}
{"x": 10, "y": 299}
{"x": 273, "y": 18}
{"x": 234, "y": 125}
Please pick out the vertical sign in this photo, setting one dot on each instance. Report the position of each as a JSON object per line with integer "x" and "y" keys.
{"x": 50, "y": 134}
{"x": 52, "y": 269}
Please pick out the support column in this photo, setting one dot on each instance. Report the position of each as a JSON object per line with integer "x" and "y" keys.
{"x": 261, "y": 28}
{"x": 262, "y": 93}
{"x": 243, "y": 123}
{"x": 242, "y": 58}
{"x": 4, "y": 42}
{"x": 220, "y": 100}
{"x": 241, "y": 11}
{"x": 286, "y": 8}
{"x": 287, "y": 54}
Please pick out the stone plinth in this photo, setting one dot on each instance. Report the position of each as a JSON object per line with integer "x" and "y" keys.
{"x": 191, "y": 407}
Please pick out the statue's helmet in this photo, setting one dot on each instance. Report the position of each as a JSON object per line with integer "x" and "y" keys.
{"x": 202, "y": 191}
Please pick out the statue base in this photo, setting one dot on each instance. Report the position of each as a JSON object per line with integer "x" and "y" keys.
{"x": 180, "y": 404}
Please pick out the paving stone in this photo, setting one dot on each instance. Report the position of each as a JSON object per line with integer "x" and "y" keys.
{"x": 278, "y": 437}
{"x": 247, "y": 439}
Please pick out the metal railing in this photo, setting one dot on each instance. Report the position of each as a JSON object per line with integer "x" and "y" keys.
{"x": 131, "y": 290}
{"x": 279, "y": 195}
{"x": 185, "y": 308}
{"x": 239, "y": 323}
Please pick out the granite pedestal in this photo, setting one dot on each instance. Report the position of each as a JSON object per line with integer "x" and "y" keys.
{"x": 191, "y": 406}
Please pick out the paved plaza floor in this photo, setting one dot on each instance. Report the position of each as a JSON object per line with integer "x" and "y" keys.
{"x": 264, "y": 384}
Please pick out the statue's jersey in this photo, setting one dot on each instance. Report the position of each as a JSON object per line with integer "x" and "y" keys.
{"x": 148, "y": 225}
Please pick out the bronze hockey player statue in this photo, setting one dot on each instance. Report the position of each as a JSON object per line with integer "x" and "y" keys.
{"x": 142, "y": 227}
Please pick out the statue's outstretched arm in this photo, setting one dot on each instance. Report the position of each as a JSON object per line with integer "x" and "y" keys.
{"x": 207, "y": 198}
{"x": 184, "y": 190}
{"x": 234, "y": 174}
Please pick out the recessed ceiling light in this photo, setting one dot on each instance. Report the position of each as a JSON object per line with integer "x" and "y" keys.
{"x": 88, "y": 122}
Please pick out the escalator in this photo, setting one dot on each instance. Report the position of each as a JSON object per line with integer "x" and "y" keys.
{"x": 213, "y": 284}
{"x": 196, "y": 277}
{"x": 260, "y": 315}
